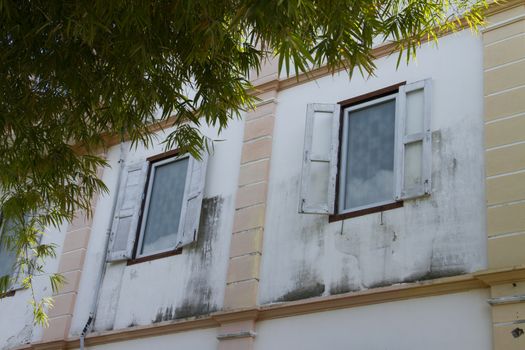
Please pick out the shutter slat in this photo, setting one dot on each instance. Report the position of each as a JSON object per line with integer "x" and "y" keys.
{"x": 405, "y": 141}
{"x": 193, "y": 196}
{"x": 125, "y": 221}
{"x": 326, "y": 137}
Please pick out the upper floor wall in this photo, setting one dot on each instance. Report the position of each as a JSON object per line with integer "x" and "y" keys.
{"x": 304, "y": 255}
{"x": 186, "y": 284}
{"x": 441, "y": 234}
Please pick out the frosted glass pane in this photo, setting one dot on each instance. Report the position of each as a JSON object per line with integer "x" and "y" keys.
{"x": 413, "y": 166}
{"x": 370, "y": 155}
{"x": 165, "y": 203}
{"x": 7, "y": 257}
{"x": 318, "y": 183}
{"x": 322, "y": 134}
{"x": 415, "y": 112}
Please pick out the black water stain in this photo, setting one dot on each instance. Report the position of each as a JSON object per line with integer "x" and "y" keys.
{"x": 441, "y": 273}
{"x": 420, "y": 277}
{"x": 198, "y": 292}
{"x": 303, "y": 292}
{"x": 342, "y": 289}
{"x": 165, "y": 314}
{"x": 197, "y": 306}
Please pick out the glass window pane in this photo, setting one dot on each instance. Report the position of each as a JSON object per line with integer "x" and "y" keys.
{"x": 415, "y": 112}
{"x": 7, "y": 256}
{"x": 413, "y": 166}
{"x": 370, "y": 155}
{"x": 165, "y": 203}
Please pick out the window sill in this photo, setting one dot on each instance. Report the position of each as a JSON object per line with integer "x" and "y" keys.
{"x": 353, "y": 214}
{"x": 154, "y": 257}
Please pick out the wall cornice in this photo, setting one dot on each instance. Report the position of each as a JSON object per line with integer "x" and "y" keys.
{"x": 378, "y": 52}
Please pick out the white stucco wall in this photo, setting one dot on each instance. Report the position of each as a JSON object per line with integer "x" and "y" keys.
{"x": 441, "y": 235}
{"x": 204, "y": 339}
{"x": 455, "y": 321}
{"x": 172, "y": 287}
{"x": 16, "y": 313}
{"x": 304, "y": 255}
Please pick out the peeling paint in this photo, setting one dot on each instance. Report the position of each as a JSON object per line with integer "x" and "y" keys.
{"x": 22, "y": 337}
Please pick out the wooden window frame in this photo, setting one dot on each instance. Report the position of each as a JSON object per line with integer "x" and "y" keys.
{"x": 386, "y": 91}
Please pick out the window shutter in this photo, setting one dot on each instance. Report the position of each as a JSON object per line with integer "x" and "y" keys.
{"x": 193, "y": 194}
{"x": 321, "y": 143}
{"x": 413, "y": 140}
{"x": 123, "y": 230}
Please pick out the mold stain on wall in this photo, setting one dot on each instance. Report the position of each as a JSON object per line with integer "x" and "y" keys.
{"x": 22, "y": 337}
{"x": 430, "y": 237}
{"x": 198, "y": 293}
{"x": 307, "y": 284}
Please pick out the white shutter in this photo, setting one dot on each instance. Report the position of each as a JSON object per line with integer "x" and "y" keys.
{"x": 193, "y": 194}
{"x": 125, "y": 221}
{"x": 413, "y": 140}
{"x": 321, "y": 143}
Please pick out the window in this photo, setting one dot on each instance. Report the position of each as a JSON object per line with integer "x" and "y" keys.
{"x": 163, "y": 205}
{"x": 9, "y": 266}
{"x": 7, "y": 256}
{"x": 372, "y": 151}
{"x": 367, "y": 155}
{"x": 158, "y": 207}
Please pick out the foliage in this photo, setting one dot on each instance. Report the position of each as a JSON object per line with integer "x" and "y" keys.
{"x": 23, "y": 236}
{"x": 75, "y": 72}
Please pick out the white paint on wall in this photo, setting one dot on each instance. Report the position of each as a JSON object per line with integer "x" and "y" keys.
{"x": 16, "y": 313}
{"x": 455, "y": 322}
{"x": 172, "y": 287}
{"x": 441, "y": 235}
{"x": 203, "y": 339}
{"x": 304, "y": 255}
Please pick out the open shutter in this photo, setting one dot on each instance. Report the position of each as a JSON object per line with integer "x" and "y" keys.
{"x": 321, "y": 143}
{"x": 413, "y": 140}
{"x": 193, "y": 194}
{"x": 123, "y": 230}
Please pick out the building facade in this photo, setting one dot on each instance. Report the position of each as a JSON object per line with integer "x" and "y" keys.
{"x": 381, "y": 212}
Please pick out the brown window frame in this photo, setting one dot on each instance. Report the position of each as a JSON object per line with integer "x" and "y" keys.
{"x": 134, "y": 260}
{"x": 343, "y": 105}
